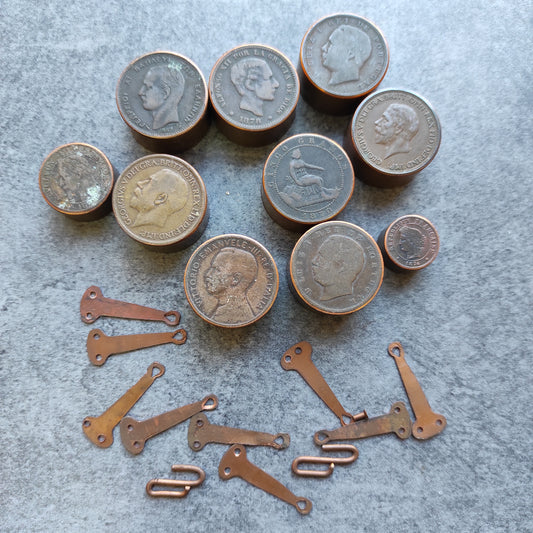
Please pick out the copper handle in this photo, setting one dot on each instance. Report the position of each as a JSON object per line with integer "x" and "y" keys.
{"x": 330, "y": 461}
{"x": 180, "y": 487}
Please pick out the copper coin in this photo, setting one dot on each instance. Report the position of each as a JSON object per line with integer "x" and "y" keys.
{"x": 307, "y": 179}
{"x": 411, "y": 242}
{"x": 343, "y": 57}
{"x": 336, "y": 268}
{"x": 231, "y": 281}
{"x": 76, "y": 179}
{"x": 254, "y": 90}
{"x": 160, "y": 201}
{"x": 162, "y": 97}
{"x": 393, "y": 135}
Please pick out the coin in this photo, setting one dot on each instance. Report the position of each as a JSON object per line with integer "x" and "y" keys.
{"x": 336, "y": 268}
{"x": 254, "y": 90}
{"x": 162, "y": 97}
{"x": 76, "y": 179}
{"x": 342, "y": 58}
{"x": 231, "y": 281}
{"x": 409, "y": 243}
{"x": 160, "y": 201}
{"x": 307, "y": 179}
{"x": 393, "y": 135}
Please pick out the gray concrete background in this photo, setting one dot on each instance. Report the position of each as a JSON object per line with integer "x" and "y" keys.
{"x": 465, "y": 321}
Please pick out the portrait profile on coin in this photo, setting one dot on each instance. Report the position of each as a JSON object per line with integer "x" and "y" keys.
{"x": 161, "y": 92}
{"x": 412, "y": 243}
{"x": 396, "y": 128}
{"x": 230, "y": 276}
{"x": 345, "y": 52}
{"x": 158, "y": 197}
{"x": 336, "y": 266}
{"x": 74, "y": 180}
{"x": 254, "y": 81}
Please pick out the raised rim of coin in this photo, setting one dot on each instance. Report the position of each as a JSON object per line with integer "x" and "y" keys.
{"x": 432, "y": 246}
{"x": 101, "y": 201}
{"x": 151, "y": 133}
{"x": 288, "y": 107}
{"x": 296, "y": 269}
{"x": 346, "y": 177}
{"x": 401, "y": 164}
{"x": 338, "y": 94}
{"x": 265, "y": 299}
{"x": 198, "y": 198}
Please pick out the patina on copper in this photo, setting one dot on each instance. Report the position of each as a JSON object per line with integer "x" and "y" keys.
{"x": 343, "y": 57}
{"x": 409, "y": 243}
{"x": 254, "y": 90}
{"x": 234, "y": 463}
{"x": 393, "y": 135}
{"x": 179, "y": 488}
{"x": 427, "y": 423}
{"x": 298, "y": 357}
{"x": 202, "y": 432}
{"x": 134, "y": 434}
{"x": 94, "y": 304}
{"x": 321, "y": 460}
{"x": 76, "y": 180}
{"x": 162, "y": 97}
{"x": 99, "y": 430}
{"x": 307, "y": 179}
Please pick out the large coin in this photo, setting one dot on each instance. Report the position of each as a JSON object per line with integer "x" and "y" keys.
{"x": 161, "y": 201}
{"x": 342, "y": 58}
{"x": 394, "y": 134}
{"x": 162, "y": 97}
{"x": 336, "y": 268}
{"x": 76, "y": 179}
{"x": 409, "y": 243}
{"x": 254, "y": 90}
{"x": 231, "y": 281}
{"x": 307, "y": 179}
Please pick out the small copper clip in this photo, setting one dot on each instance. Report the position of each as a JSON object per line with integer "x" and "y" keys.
{"x": 180, "y": 487}
{"x": 330, "y": 461}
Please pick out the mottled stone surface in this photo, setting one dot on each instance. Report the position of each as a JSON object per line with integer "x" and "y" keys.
{"x": 465, "y": 321}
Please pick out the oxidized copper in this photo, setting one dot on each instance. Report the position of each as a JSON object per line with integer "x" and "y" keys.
{"x": 161, "y": 202}
{"x": 94, "y": 304}
{"x": 99, "y": 430}
{"x": 234, "y": 463}
{"x": 307, "y": 179}
{"x": 162, "y": 97}
{"x": 180, "y": 487}
{"x": 343, "y": 57}
{"x": 298, "y": 358}
{"x": 427, "y": 423}
{"x": 202, "y": 432}
{"x": 76, "y": 179}
{"x": 254, "y": 90}
{"x": 409, "y": 243}
{"x": 134, "y": 434}
{"x": 330, "y": 461}
{"x": 231, "y": 281}
{"x": 397, "y": 421}
{"x": 336, "y": 268}
{"x": 393, "y": 135}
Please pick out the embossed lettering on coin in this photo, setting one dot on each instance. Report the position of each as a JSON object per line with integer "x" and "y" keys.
{"x": 336, "y": 268}
{"x": 231, "y": 281}
{"x": 160, "y": 200}
{"x": 76, "y": 178}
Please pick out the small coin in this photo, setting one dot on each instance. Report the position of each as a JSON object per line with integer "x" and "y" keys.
{"x": 76, "y": 179}
{"x": 343, "y": 57}
{"x": 411, "y": 242}
{"x": 336, "y": 268}
{"x": 395, "y": 133}
{"x": 254, "y": 90}
{"x": 307, "y": 179}
{"x": 162, "y": 96}
{"x": 161, "y": 201}
{"x": 231, "y": 281}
